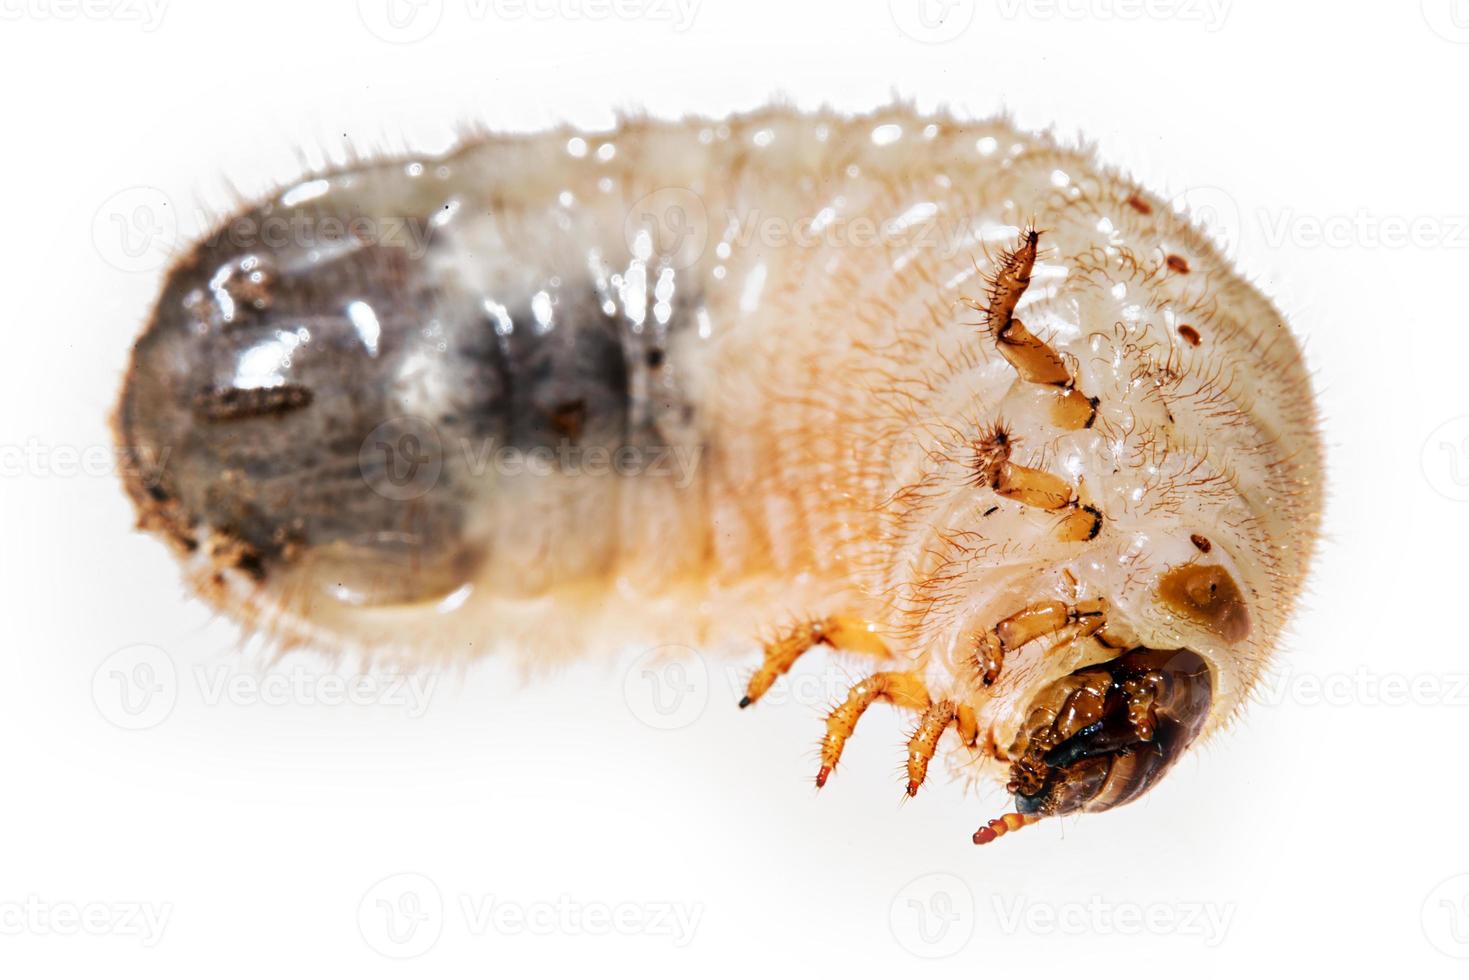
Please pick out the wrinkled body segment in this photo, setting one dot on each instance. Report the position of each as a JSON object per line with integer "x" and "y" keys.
{"x": 692, "y": 382}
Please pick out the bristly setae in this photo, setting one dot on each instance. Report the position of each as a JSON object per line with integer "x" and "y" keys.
{"x": 980, "y": 411}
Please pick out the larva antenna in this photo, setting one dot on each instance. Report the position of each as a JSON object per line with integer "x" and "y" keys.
{"x": 1001, "y": 826}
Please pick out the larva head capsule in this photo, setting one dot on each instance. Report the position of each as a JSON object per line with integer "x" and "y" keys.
{"x": 1103, "y": 735}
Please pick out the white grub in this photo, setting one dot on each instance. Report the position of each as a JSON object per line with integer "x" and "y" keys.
{"x": 836, "y": 383}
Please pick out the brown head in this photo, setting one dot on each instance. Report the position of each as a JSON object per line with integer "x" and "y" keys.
{"x": 1103, "y": 735}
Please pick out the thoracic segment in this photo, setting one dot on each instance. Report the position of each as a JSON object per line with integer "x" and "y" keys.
{"x": 1036, "y": 760}
{"x": 1035, "y": 362}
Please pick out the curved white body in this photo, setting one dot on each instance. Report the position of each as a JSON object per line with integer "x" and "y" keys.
{"x": 838, "y": 381}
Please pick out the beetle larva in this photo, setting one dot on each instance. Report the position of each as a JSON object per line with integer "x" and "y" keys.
{"x": 987, "y": 415}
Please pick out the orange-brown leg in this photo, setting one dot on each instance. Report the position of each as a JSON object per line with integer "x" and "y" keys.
{"x": 1032, "y": 487}
{"x": 1033, "y": 359}
{"x": 931, "y": 727}
{"x": 900, "y": 688}
{"x": 839, "y": 632}
{"x": 1034, "y": 621}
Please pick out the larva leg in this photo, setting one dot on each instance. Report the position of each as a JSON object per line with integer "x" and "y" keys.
{"x": 1034, "y": 621}
{"x": 1033, "y": 487}
{"x": 900, "y": 688}
{"x": 931, "y": 727}
{"x": 1033, "y": 359}
{"x": 839, "y": 632}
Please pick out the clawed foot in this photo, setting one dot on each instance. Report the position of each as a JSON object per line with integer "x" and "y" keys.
{"x": 903, "y": 689}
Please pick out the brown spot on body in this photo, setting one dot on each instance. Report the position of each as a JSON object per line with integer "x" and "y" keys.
{"x": 1202, "y": 543}
{"x": 1139, "y": 205}
{"x": 161, "y": 513}
{"x": 569, "y": 419}
{"x": 232, "y": 404}
{"x": 1190, "y": 335}
{"x": 1177, "y": 263}
{"x": 229, "y": 550}
{"x": 1208, "y": 596}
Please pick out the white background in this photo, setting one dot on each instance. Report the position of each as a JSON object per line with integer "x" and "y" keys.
{"x": 271, "y": 834}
